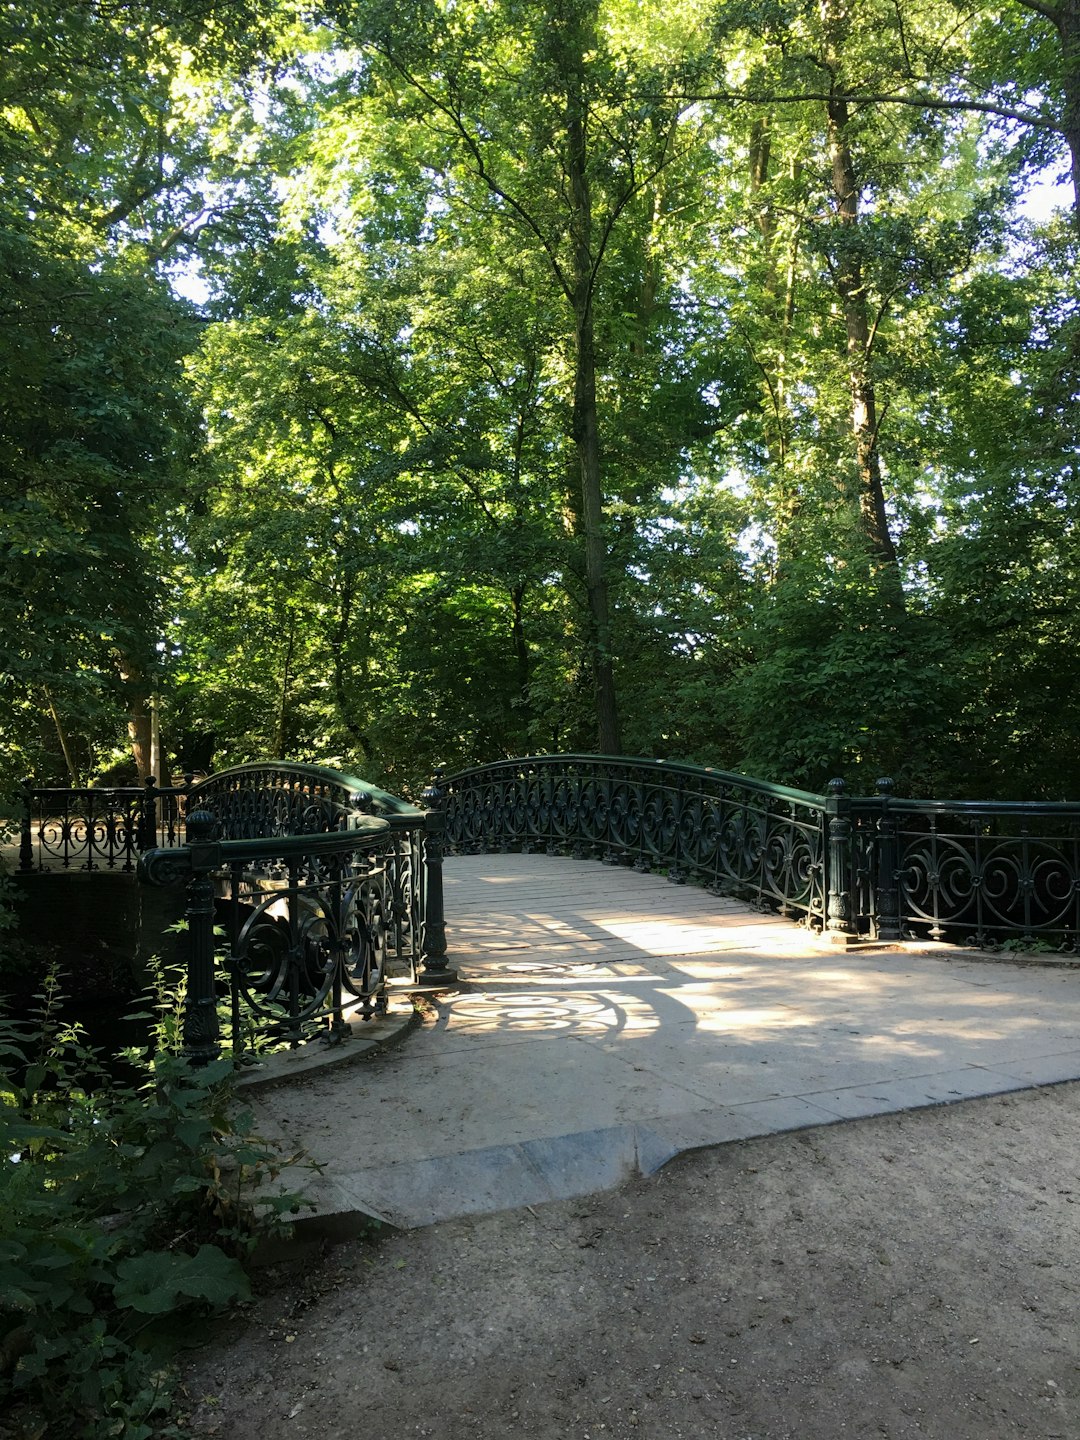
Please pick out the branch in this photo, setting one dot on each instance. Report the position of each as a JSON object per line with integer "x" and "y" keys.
{"x": 1048, "y": 12}
{"x": 481, "y": 169}
{"x": 667, "y": 155}
{"x": 877, "y": 320}
{"x": 921, "y": 102}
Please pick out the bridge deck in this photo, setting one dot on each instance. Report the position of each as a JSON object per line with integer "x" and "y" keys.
{"x": 609, "y": 1020}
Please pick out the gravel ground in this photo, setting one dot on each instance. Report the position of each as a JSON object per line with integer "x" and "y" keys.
{"x": 906, "y": 1275}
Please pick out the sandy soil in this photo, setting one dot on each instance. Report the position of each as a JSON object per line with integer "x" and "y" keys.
{"x": 911, "y": 1275}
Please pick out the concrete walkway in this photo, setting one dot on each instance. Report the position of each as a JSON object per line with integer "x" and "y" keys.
{"x": 609, "y": 1020}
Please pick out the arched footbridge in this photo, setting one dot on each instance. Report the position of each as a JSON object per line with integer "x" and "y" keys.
{"x": 629, "y": 958}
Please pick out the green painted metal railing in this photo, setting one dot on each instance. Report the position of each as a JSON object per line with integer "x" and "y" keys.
{"x": 324, "y": 885}
{"x": 972, "y": 872}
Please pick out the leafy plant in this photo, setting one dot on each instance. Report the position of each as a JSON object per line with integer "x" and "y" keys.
{"x": 1028, "y": 945}
{"x": 123, "y": 1214}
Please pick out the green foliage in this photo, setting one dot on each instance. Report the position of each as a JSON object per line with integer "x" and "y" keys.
{"x": 122, "y": 1218}
{"x": 364, "y": 506}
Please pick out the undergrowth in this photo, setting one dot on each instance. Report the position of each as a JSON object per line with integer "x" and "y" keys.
{"x": 122, "y": 1220}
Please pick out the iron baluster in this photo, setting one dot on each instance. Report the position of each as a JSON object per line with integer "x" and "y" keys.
{"x": 26, "y": 827}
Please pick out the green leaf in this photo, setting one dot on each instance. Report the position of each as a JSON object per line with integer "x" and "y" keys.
{"x": 154, "y": 1283}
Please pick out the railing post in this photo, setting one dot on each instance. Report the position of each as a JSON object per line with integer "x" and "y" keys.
{"x": 26, "y": 835}
{"x": 433, "y": 941}
{"x": 201, "y": 1031}
{"x": 886, "y": 874}
{"x": 146, "y": 834}
{"x": 839, "y": 921}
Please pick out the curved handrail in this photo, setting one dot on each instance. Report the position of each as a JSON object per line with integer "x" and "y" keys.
{"x": 678, "y": 767}
{"x": 356, "y": 793}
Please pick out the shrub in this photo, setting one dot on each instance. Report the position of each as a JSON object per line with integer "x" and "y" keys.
{"x": 122, "y": 1216}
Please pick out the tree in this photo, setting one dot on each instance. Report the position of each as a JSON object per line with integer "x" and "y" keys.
{"x": 525, "y": 109}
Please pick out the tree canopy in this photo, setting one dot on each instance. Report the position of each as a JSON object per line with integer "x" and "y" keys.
{"x": 414, "y": 384}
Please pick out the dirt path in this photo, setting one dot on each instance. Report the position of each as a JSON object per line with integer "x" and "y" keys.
{"x": 907, "y": 1275}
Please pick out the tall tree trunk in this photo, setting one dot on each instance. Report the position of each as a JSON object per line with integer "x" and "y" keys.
{"x": 69, "y": 759}
{"x": 778, "y": 311}
{"x": 155, "y": 743}
{"x": 521, "y": 651}
{"x": 586, "y": 429}
{"x": 1065, "y": 18}
{"x": 1068, "y": 27}
{"x": 851, "y": 289}
{"x": 341, "y": 634}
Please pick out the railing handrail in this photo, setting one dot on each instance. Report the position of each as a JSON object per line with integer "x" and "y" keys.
{"x": 682, "y": 767}
{"x": 980, "y": 871}
{"x": 382, "y": 802}
{"x": 368, "y": 829}
{"x": 769, "y": 787}
{"x": 325, "y": 864}
{"x": 909, "y": 806}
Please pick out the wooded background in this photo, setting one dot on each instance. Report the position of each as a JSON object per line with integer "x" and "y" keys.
{"x": 682, "y": 378}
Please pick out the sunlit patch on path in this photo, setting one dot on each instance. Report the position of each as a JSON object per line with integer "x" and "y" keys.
{"x": 608, "y": 1020}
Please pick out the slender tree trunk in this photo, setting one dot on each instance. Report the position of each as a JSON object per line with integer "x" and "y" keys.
{"x": 286, "y": 681}
{"x": 521, "y": 650}
{"x": 155, "y": 742}
{"x": 341, "y": 699}
{"x": 778, "y": 312}
{"x": 69, "y": 761}
{"x": 140, "y": 724}
{"x": 1065, "y": 18}
{"x": 1068, "y": 28}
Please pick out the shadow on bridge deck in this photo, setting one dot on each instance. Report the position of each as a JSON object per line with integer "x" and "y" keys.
{"x": 609, "y": 1020}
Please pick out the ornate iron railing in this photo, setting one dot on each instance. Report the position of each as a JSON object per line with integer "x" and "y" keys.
{"x": 326, "y": 886}
{"x": 736, "y": 835}
{"x": 96, "y": 828}
{"x": 325, "y": 883}
{"x": 306, "y": 920}
{"x": 879, "y": 867}
{"x": 977, "y": 872}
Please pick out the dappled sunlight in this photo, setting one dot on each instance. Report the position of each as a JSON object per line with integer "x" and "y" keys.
{"x": 710, "y": 969}
{"x": 707, "y": 998}
{"x": 896, "y": 1045}
{"x": 762, "y": 1018}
